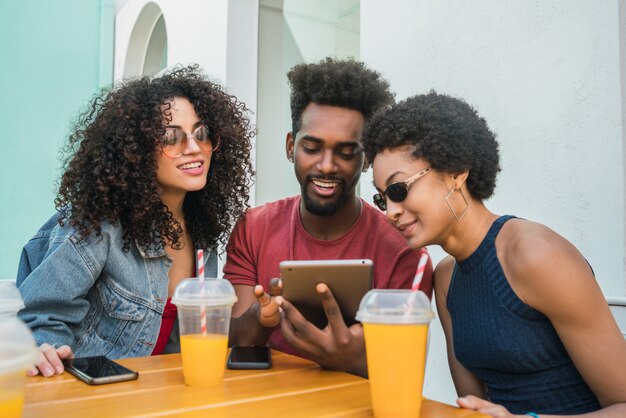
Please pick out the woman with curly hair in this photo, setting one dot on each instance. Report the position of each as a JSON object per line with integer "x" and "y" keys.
{"x": 156, "y": 168}
{"x": 527, "y": 328}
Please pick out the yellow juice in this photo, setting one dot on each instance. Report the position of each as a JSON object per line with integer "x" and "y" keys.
{"x": 11, "y": 404}
{"x": 396, "y": 358}
{"x": 204, "y": 358}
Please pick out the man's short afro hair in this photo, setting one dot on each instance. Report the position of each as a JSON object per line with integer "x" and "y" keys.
{"x": 444, "y": 131}
{"x": 343, "y": 83}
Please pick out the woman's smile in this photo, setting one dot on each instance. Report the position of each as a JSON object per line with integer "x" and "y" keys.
{"x": 193, "y": 168}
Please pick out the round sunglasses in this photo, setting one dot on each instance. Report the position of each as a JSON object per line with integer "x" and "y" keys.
{"x": 174, "y": 142}
{"x": 398, "y": 191}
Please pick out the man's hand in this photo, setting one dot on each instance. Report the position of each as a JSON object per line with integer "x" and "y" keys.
{"x": 51, "y": 360}
{"x": 269, "y": 311}
{"x": 255, "y": 315}
{"x": 336, "y": 347}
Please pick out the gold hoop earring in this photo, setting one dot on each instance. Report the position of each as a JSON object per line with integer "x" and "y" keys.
{"x": 458, "y": 218}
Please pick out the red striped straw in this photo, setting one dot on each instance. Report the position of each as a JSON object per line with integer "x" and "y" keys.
{"x": 200, "y": 274}
{"x": 419, "y": 273}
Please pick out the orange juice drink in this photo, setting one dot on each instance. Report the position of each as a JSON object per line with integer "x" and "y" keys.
{"x": 395, "y": 327}
{"x": 11, "y": 403}
{"x": 204, "y": 306}
{"x": 396, "y": 361}
{"x": 204, "y": 358}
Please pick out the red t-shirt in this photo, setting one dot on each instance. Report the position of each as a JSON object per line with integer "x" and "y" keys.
{"x": 272, "y": 233}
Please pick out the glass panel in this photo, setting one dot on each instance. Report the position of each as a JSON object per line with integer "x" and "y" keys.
{"x": 292, "y": 32}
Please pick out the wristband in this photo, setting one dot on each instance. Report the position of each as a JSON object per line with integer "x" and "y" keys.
{"x": 532, "y": 414}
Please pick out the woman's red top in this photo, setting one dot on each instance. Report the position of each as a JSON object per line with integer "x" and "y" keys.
{"x": 167, "y": 323}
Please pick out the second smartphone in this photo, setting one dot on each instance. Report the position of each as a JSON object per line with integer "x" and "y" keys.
{"x": 249, "y": 357}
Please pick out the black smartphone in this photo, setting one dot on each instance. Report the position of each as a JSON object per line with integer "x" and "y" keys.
{"x": 98, "y": 370}
{"x": 249, "y": 357}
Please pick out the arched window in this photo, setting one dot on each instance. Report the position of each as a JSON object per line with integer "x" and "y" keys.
{"x": 147, "y": 47}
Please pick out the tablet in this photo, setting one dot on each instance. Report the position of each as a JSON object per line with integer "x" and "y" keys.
{"x": 349, "y": 280}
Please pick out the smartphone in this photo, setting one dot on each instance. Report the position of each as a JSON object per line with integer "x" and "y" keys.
{"x": 348, "y": 280}
{"x": 98, "y": 370}
{"x": 249, "y": 357}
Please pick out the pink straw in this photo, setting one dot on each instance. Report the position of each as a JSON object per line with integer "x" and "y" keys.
{"x": 417, "y": 281}
{"x": 200, "y": 274}
{"x": 419, "y": 273}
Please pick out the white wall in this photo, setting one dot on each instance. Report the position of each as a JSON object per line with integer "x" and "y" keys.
{"x": 546, "y": 76}
{"x": 196, "y": 32}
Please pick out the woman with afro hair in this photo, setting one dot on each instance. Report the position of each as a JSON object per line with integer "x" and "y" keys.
{"x": 527, "y": 328}
{"x": 157, "y": 168}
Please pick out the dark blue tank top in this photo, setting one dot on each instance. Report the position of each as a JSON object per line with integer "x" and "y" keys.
{"x": 511, "y": 347}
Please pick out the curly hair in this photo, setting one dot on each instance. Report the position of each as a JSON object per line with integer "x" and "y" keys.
{"x": 110, "y": 172}
{"x": 443, "y": 130}
{"x": 342, "y": 83}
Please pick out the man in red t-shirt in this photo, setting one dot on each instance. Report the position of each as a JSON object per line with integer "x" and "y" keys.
{"x": 330, "y": 103}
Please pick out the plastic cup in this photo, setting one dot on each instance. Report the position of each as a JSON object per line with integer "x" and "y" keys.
{"x": 204, "y": 352}
{"x": 18, "y": 352}
{"x": 10, "y": 299}
{"x": 395, "y": 325}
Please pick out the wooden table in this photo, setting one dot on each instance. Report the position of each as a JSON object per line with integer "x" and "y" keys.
{"x": 292, "y": 387}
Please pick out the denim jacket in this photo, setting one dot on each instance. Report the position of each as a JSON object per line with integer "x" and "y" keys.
{"x": 90, "y": 294}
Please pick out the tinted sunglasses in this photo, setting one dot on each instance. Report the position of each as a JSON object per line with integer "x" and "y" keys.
{"x": 398, "y": 191}
{"x": 174, "y": 142}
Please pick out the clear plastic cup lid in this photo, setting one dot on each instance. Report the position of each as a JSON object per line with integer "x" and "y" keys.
{"x": 385, "y": 306}
{"x": 10, "y": 298}
{"x": 18, "y": 350}
{"x": 209, "y": 292}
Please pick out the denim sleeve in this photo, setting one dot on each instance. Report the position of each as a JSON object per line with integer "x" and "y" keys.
{"x": 54, "y": 292}
{"x": 35, "y": 250}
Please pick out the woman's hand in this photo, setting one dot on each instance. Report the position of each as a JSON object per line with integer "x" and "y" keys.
{"x": 485, "y": 407}
{"x": 51, "y": 360}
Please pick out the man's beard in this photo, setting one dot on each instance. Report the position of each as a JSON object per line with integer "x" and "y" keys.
{"x": 323, "y": 209}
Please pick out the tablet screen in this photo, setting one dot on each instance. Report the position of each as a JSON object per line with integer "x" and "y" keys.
{"x": 348, "y": 280}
